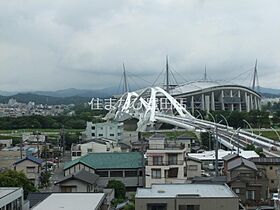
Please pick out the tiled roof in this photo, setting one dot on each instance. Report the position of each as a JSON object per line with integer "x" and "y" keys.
{"x": 241, "y": 161}
{"x": 37, "y": 197}
{"x": 82, "y": 175}
{"x": 109, "y": 160}
{"x": 31, "y": 158}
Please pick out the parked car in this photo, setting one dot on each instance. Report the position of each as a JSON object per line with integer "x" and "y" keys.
{"x": 274, "y": 196}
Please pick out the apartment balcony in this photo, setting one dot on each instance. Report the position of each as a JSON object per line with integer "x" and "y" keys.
{"x": 166, "y": 163}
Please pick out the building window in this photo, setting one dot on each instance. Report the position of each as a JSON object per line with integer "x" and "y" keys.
{"x": 250, "y": 195}
{"x": 89, "y": 150}
{"x": 271, "y": 167}
{"x": 74, "y": 154}
{"x": 130, "y": 173}
{"x": 93, "y": 134}
{"x": 116, "y": 173}
{"x": 156, "y": 206}
{"x": 101, "y": 134}
{"x": 111, "y": 128}
{"x": 157, "y": 160}
{"x": 172, "y": 159}
{"x": 189, "y": 207}
{"x": 192, "y": 167}
{"x": 30, "y": 169}
{"x": 102, "y": 173}
{"x": 79, "y": 153}
{"x": 173, "y": 173}
{"x": 93, "y": 127}
{"x": 111, "y": 134}
{"x": 237, "y": 190}
{"x": 272, "y": 181}
{"x": 156, "y": 173}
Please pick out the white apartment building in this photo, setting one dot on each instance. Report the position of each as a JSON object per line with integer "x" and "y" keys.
{"x": 11, "y": 198}
{"x": 108, "y": 130}
{"x": 78, "y": 150}
{"x": 167, "y": 163}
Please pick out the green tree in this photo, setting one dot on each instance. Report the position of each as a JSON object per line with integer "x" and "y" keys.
{"x": 129, "y": 207}
{"x": 45, "y": 179}
{"x": 13, "y": 178}
{"x": 119, "y": 188}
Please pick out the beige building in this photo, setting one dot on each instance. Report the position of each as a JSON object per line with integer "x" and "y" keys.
{"x": 166, "y": 162}
{"x": 78, "y": 150}
{"x": 31, "y": 167}
{"x": 193, "y": 168}
{"x": 270, "y": 166}
{"x": 186, "y": 197}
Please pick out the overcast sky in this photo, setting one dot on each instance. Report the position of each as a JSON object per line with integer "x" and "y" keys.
{"x": 48, "y": 45}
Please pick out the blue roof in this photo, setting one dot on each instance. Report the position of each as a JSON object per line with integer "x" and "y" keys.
{"x": 31, "y": 158}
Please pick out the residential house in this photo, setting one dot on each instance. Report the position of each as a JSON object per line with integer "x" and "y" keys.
{"x": 186, "y": 197}
{"x": 245, "y": 180}
{"x": 102, "y": 145}
{"x": 270, "y": 166}
{"x": 5, "y": 143}
{"x": 31, "y": 167}
{"x": 81, "y": 181}
{"x": 208, "y": 157}
{"x": 127, "y": 167}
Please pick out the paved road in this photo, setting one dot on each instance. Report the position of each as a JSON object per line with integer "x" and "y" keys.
{"x": 58, "y": 174}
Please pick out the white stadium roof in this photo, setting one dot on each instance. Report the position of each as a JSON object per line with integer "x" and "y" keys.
{"x": 201, "y": 85}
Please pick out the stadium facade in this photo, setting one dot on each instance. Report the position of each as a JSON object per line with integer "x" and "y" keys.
{"x": 216, "y": 96}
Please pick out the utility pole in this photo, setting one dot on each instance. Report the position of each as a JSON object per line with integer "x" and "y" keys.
{"x": 21, "y": 142}
{"x": 216, "y": 152}
{"x": 37, "y": 138}
{"x": 62, "y": 138}
{"x": 167, "y": 75}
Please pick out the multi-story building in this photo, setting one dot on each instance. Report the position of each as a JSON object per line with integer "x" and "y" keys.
{"x": 31, "y": 167}
{"x": 11, "y": 198}
{"x": 108, "y": 130}
{"x": 166, "y": 161}
{"x": 186, "y": 197}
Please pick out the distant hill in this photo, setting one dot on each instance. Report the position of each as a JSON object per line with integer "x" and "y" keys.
{"x": 270, "y": 91}
{"x": 41, "y": 99}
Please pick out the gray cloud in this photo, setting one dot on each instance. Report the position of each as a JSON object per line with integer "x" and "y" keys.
{"x": 60, "y": 44}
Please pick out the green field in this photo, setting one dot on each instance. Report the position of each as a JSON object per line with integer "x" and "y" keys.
{"x": 269, "y": 134}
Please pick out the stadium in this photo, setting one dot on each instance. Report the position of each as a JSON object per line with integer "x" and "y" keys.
{"x": 209, "y": 95}
{"x": 216, "y": 96}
